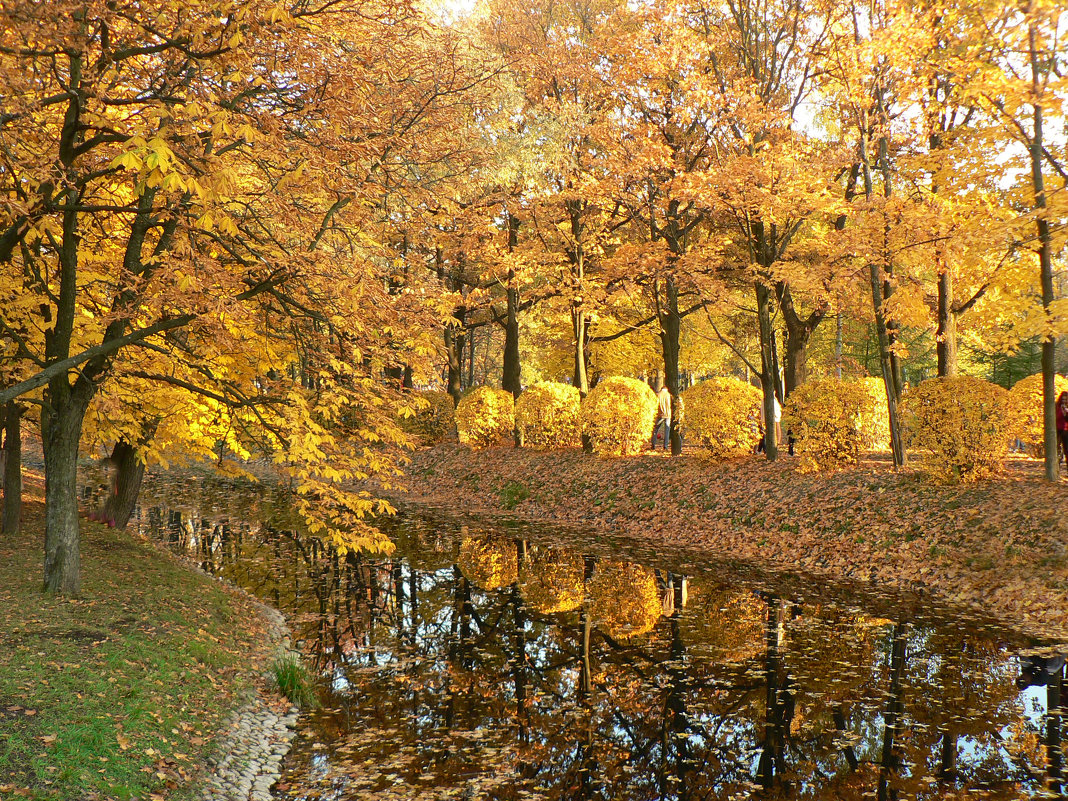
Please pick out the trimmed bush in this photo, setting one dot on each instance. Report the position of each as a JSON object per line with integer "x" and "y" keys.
{"x": 874, "y": 416}
{"x": 723, "y": 414}
{"x": 552, "y": 580}
{"x": 485, "y": 416}
{"x": 547, "y": 416}
{"x": 489, "y": 563}
{"x": 435, "y": 421}
{"x": 618, "y": 416}
{"x": 825, "y": 418}
{"x": 623, "y": 599}
{"x": 962, "y": 424}
{"x": 1025, "y": 410}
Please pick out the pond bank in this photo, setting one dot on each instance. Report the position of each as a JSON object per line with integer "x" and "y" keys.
{"x": 1000, "y": 546}
{"x": 127, "y": 691}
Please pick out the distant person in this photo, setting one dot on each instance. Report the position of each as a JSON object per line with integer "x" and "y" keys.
{"x": 1062, "y": 424}
{"x": 663, "y": 417}
{"x": 778, "y": 420}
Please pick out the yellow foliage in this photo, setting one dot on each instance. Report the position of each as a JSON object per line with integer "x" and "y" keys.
{"x": 825, "y": 418}
{"x": 961, "y": 422}
{"x": 623, "y": 599}
{"x": 723, "y": 414}
{"x": 1025, "y": 409}
{"x": 552, "y": 580}
{"x": 547, "y": 416}
{"x": 485, "y": 416}
{"x": 874, "y": 415}
{"x": 488, "y": 563}
{"x": 618, "y": 416}
{"x": 433, "y": 422}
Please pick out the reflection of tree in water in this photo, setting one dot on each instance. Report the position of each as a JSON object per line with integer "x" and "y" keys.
{"x": 623, "y": 599}
{"x": 552, "y": 579}
{"x": 491, "y": 678}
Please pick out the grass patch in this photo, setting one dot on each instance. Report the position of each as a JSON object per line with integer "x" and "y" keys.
{"x": 116, "y": 694}
{"x": 512, "y": 494}
{"x": 294, "y": 681}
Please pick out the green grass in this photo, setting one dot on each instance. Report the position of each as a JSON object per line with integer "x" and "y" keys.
{"x": 294, "y": 681}
{"x": 116, "y": 694}
{"x": 512, "y": 494}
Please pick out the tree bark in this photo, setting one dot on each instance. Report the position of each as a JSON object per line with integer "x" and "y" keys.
{"x": 798, "y": 333}
{"x": 510, "y": 379}
{"x": 61, "y": 428}
{"x": 946, "y": 335}
{"x": 128, "y": 471}
{"x": 454, "y": 353}
{"x": 12, "y": 468}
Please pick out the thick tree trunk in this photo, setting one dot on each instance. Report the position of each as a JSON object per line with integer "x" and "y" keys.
{"x": 946, "y": 335}
{"x": 12, "y": 468}
{"x": 581, "y": 327}
{"x": 454, "y": 353}
{"x": 767, "y": 368}
{"x": 127, "y": 473}
{"x": 890, "y": 762}
{"x": 670, "y": 327}
{"x": 798, "y": 334}
{"x": 61, "y": 428}
{"x": 510, "y": 379}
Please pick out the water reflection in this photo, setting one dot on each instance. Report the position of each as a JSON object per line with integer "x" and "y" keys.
{"x": 489, "y": 661}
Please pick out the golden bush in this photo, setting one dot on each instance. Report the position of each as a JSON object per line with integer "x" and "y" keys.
{"x": 618, "y": 416}
{"x": 623, "y": 599}
{"x": 485, "y": 416}
{"x": 825, "y": 418}
{"x": 434, "y": 420}
{"x": 489, "y": 563}
{"x": 1025, "y": 409}
{"x": 547, "y": 416}
{"x": 961, "y": 423}
{"x": 723, "y": 414}
{"x": 874, "y": 416}
{"x": 552, "y": 580}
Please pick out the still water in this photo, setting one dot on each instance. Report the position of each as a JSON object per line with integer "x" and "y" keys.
{"x": 487, "y": 659}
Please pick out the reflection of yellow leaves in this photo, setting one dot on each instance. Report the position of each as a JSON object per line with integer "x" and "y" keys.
{"x": 551, "y": 580}
{"x": 489, "y": 564}
{"x": 623, "y": 599}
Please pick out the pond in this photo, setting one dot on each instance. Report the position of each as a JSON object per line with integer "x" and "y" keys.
{"x": 490, "y": 659}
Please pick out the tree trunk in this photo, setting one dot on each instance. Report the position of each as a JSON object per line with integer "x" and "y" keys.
{"x": 581, "y": 327}
{"x": 890, "y": 762}
{"x": 61, "y": 428}
{"x": 767, "y": 366}
{"x": 12, "y": 468}
{"x": 1045, "y": 259}
{"x": 128, "y": 471}
{"x": 670, "y": 326}
{"x": 454, "y": 353}
{"x": 946, "y": 335}
{"x": 510, "y": 380}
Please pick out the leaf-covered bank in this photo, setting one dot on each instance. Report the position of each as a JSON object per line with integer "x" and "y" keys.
{"x": 997, "y": 545}
{"x": 118, "y": 693}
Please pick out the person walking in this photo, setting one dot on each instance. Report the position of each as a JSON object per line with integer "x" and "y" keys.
{"x": 1062, "y": 424}
{"x": 663, "y": 412}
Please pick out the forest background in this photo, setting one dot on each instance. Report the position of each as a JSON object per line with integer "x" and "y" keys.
{"x": 249, "y": 229}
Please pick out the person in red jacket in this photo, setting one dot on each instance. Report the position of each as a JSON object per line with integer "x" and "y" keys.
{"x": 1062, "y": 424}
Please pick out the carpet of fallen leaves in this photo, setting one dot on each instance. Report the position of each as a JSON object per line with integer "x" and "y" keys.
{"x": 997, "y": 546}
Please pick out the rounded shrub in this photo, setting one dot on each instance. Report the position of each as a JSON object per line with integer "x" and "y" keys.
{"x": 1025, "y": 410}
{"x": 489, "y": 563}
{"x": 618, "y": 416}
{"x": 825, "y": 418}
{"x": 961, "y": 423}
{"x": 547, "y": 416}
{"x": 485, "y": 416}
{"x": 435, "y": 420}
{"x": 623, "y": 599}
{"x": 874, "y": 415}
{"x": 723, "y": 415}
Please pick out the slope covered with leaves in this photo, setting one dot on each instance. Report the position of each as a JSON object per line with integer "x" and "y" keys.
{"x": 999, "y": 544}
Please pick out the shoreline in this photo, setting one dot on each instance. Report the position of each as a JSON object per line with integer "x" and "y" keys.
{"x": 996, "y": 547}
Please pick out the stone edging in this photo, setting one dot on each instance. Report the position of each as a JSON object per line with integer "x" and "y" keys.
{"x": 254, "y": 739}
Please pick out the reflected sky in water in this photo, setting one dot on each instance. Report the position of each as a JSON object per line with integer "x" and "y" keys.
{"x": 513, "y": 661}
